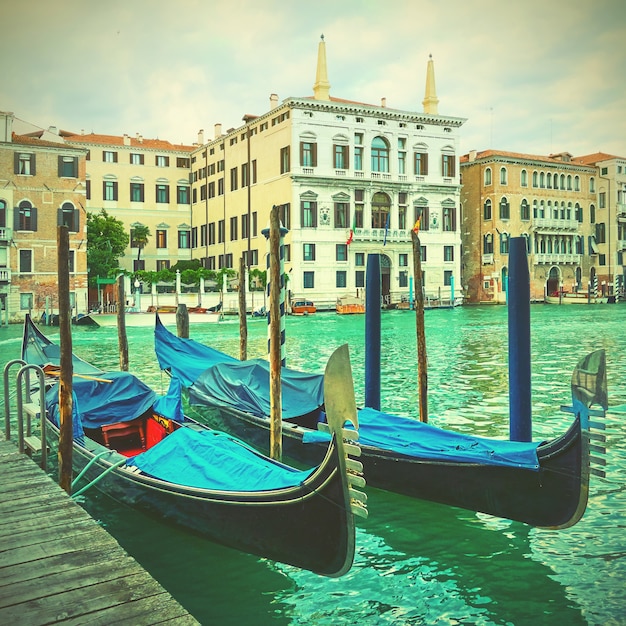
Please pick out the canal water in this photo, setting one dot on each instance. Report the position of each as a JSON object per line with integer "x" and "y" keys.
{"x": 417, "y": 562}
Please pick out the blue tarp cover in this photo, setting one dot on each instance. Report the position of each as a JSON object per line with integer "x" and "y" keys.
{"x": 123, "y": 399}
{"x": 417, "y": 439}
{"x": 215, "y": 460}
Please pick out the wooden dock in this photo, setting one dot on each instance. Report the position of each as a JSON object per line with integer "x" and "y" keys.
{"x": 58, "y": 566}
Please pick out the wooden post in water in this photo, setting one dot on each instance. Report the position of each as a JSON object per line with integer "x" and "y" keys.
{"x": 122, "y": 339}
{"x": 275, "y": 338}
{"x": 243, "y": 319}
{"x": 422, "y": 372}
{"x": 182, "y": 321}
{"x": 66, "y": 372}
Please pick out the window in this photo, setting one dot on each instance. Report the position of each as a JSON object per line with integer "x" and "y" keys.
{"x": 535, "y": 180}
{"x": 221, "y": 231}
{"x": 340, "y": 154}
{"x": 162, "y": 161}
{"x": 380, "y": 155}
{"x": 381, "y": 207}
{"x": 139, "y": 265}
{"x": 182, "y": 194}
{"x": 402, "y": 209}
{"x": 340, "y": 279}
{"x": 309, "y": 280}
{"x": 109, "y": 157}
{"x": 403, "y": 279}
{"x": 341, "y": 252}
{"x": 183, "y": 239}
{"x": 245, "y": 181}
{"x": 284, "y": 214}
{"x": 503, "y": 176}
{"x": 71, "y": 266}
{"x": 308, "y": 154}
{"x": 26, "y": 261}
{"x": 136, "y": 192}
{"x": 136, "y": 158}
{"x": 359, "y": 278}
{"x": 602, "y": 200}
{"x": 487, "y": 210}
{"x": 600, "y": 232}
{"x": 341, "y": 214}
{"x": 448, "y": 253}
{"x": 161, "y": 238}
{"x": 285, "y": 162}
{"x": 244, "y": 226}
{"x": 203, "y": 235}
{"x": 211, "y": 189}
{"x": 488, "y": 176}
{"x": 163, "y": 194}
{"x": 220, "y": 187}
{"x": 505, "y": 210}
{"x": 109, "y": 190}
{"x": 403, "y": 260}
{"x": 422, "y": 212}
{"x": 504, "y": 243}
{"x": 423, "y": 255}
{"x": 592, "y": 214}
{"x": 68, "y": 167}
{"x": 420, "y": 163}
{"x": 25, "y": 216}
{"x": 254, "y": 171}
{"x": 488, "y": 244}
{"x": 358, "y": 208}
{"x": 524, "y": 178}
{"x": 447, "y": 165}
{"x": 24, "y": 164}
{"x": 359, "y": 259}
{"x": 308, "y": 251}
{"x": 162, "y": 264}
{"x": 524, "y": 210}
{"x": 233, "y": 228}
{"x": 358, "y": 151}
{"x": 233, "y": 179}
{"x": 449, "y": 219}
{"x": 308, "y": 215}
{"x": 212, "y": 233}
{"x": 68, "y": 216}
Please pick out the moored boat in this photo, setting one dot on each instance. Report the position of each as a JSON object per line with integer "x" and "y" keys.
{"x": 143, "y": 451}
{"x": 349, "y": 305}
{"x": 303, "y": 307}
{"x": 575, "y": 298}
{"x": 540, "y": 483}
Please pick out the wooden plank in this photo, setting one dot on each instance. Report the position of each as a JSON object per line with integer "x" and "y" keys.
{"x": 58, "y": 565}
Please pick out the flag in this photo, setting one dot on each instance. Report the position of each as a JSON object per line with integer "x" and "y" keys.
{"x": 416, "y": 227}
{"x": 386, "y": 228}
{"x": 351, "y": 231}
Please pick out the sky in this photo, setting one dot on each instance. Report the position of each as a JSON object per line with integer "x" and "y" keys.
{"x": 531, "y": 76}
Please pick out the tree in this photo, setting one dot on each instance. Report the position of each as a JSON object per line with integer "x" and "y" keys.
{"x": 106, "y": 241}
{"x": 141, "y": 234}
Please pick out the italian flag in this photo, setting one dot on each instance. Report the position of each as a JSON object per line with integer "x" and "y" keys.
{"x": 351, "y": 231}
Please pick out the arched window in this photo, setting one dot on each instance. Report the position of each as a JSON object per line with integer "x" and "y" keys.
{"x": 503, "y": 176}
{"x": 68, "y": 216}
{"x": 26, "y": 216}
{"x": 535, "y": 179}
{"x": 488, "y": 244}
{"x": 569, "y": 182}
{"x": 592, "y": 213}
{"x": 576, "y": 183}
{"x": 487, "y": 209}
{"x": 381, "y": 206}
{"x": 524, "y": 210}
{"x": 524, "y": 178}
{"x": 592, "y": 185}
{"x": 542, "y": 180}
{"x": 562, "y": 181}
{"x": 380, "y": 155}
{"x": 505, "y": 209}
{"x": 504, "y": 243}
{"x": 3, "y": 214}
{"x": 549, "y": 181}
{"x": 488, "y": 176}
{"x": 578, "y": 213}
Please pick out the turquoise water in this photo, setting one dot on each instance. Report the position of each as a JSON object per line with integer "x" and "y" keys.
{"x": 416, "y": 562}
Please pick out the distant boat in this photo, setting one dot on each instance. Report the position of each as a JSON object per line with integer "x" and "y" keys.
{"x": 302, "y": 307}
{"x": 147, "y": 319}
{"x": 575, "y": 298}
{"x": 349, "y": 305}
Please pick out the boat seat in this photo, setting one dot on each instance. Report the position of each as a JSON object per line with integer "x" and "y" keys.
{"x": 131, "y": 433}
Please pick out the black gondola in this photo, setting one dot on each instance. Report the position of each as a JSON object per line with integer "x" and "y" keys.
{"x": 542, "y": 484}
{"x": 143, "y": 454}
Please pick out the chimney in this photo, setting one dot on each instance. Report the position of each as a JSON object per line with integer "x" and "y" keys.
{"x": 472, "y": 156}
{"x": 53, "y": 130}
{"x": 139, "y": 138}
{"x": 218, "y": 131}
{"x": 383, "y": 102}
{"x": 273, "y": 101}
{"x": 126, "y": 140}
{"x": 6, "y": 126}
{"x": 201, "y": 137}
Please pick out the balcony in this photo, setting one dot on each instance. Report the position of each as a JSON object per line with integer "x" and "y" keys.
{"x": 554, "y": 225}
{"x": 6, "y": 234}
{"x": 621, "y": 212}
{"x": 557, "y": 259}
{"x": 378, "y": 234}
{"x": 488, "y": 258}
{"x": 621, "y": 245}
{"x": 5, "y": 275}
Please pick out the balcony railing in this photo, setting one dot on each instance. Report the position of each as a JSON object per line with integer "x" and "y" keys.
{"x": 378, "y": 234}
{"x": 5, "y": 275}
{"x": 6, "y": 234}
{"x": 562, "y": 259}
{"x": 553, "y": 225}
{"x": 488, "y": 258}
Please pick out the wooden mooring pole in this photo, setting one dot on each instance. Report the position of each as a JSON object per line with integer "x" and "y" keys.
{"x": 422, "y": 371}
{"x": 66, "y": 437}
{"x": 182, "y": 321}
{"x": 275, "y": 338}
{"x": 122, "y": 338}
{"x": 243, "y": 318}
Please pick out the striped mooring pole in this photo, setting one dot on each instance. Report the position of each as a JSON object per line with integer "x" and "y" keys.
{"x": 281, "y": 253}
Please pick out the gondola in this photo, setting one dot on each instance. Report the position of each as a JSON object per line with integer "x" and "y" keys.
{"x": 141, "y": 450}
{"x": 544, "y": 484}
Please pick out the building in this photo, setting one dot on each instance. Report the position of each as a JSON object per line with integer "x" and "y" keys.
{"x": 350, "y": 179}
{"x": 141, "y": 182}
{"x": 42, "y": 186}
{"x": 549, "y": 200}
{"x": 610, "y": 219}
